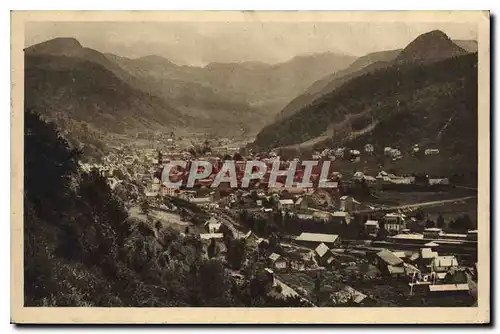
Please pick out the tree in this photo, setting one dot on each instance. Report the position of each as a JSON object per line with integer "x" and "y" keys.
{"x": 274, "y": 243}
{"x": 430, "y": 223}
{"x": 467, "y": 222}
{"x": 317, "y": 287}
{"x": 419, "y": 214}
{"x": 212, "y": 249}
{"x": 158, "y": 225}
{"x": 145, "y": 207}
{"x": 236, "y": 253}
{"x": 440, "y": 221}
{"x": 382, "y": 233}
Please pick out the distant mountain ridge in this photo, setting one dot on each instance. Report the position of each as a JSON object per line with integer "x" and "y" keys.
{"x": 435, "y": 41}
{"x": 218, "y": 99}
{"x": 364, "y": 64}
{"x": 244, "y": 94}
{"x": 468, "y": 45}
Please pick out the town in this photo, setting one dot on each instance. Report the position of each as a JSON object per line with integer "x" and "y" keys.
{"x": 372, "y": 238}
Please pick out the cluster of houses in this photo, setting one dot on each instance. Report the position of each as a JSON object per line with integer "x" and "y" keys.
{"x": 396, "y": 224}
{"x": 437, "y": 273}
{"x": 354, "y": 155}
{"x": 384, "y": 178}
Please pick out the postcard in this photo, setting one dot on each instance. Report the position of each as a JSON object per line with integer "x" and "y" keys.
{"x": 250, "y": 167}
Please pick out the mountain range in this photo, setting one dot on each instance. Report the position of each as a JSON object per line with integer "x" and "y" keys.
{"x": 76, "y": 85}
{"x": 307, "y": 102}
{"x": 377, "y": 60}
{"x": 247, "y": 94}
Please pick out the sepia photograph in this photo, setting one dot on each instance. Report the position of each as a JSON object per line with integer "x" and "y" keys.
{"x": 250, "y": 167}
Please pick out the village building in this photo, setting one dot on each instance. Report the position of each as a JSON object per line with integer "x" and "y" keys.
{"x": 372, "y": 227}
{"x": 301, "y": 203}
{"x": 339, "y": 152}
{"x": 358, "y": 176}
{"x": 213, "y": 225}
{"x": 394, "y": 222}
{"x": 369, "y": 179}
{"x": 442, "y": 181}
{"x": 210, "y": 236}
{"x": 321, "y": 216}
{"x": 442, "y": 264}
{"x": 426, "y": 258}
{"x": 369, "y": 148}
{"x": 432, "y": 233}
{"x": 113, "y": 182}
{"x": 251, "y": 238}
{"x": 341, "y": 217}
{"x": 448, "y": 289}
{"x": 346, "y": 203}
{"x": 201, "y": 201}
{"x": 285, "y": 204}
{"x": 431, "y": 244}
{"x": 348, "y": 295}
{"x": 431, "y": 151}
{"x": 472, "y": 235}
{"x": 304, "y": 216}
{"x": 354, "y": 153}
{"x": 323, "y": 255}
{"x": 390, "y": 264}
{"x": 277, "y": 262}
{"x": 167, "y": 191}
{"x": 314, "y": 239}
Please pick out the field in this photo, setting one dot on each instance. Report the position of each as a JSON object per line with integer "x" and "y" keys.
{"x": 449, "y": 211}
{"x": 167, "y": 219}
{"x": 403, "y": 198}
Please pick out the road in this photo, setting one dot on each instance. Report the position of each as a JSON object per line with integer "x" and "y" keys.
{"x": 415, "y": 206}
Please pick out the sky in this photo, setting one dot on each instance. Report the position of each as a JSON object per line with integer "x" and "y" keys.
{"x": 196, "y": 43}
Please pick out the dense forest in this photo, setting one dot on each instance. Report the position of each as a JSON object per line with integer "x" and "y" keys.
{"x": 82, "y": 249}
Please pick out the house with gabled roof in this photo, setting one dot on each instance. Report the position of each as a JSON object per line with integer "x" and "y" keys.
{"x": 276, "y": 261}
{"x": 390, "y": 264}
{"x": 314, "y": 239}
{"x": 324, "y": 257}
{"x": 212, "y": 225}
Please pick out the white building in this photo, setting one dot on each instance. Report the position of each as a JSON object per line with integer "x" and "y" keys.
{"x": 431, "y": 151}
{"x": 285, "y": 204}
{"x": 394, "y": 222}
{"x": 371, "y": 226}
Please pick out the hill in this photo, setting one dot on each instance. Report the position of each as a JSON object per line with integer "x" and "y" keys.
{"x": 246, "y": 94}
{"x": 468, "y": 45}
{"x": 432, "y": 104}
{"x": 360, "y": 66}
{"x": 87, "y": 100}
{"x": 430, "y": 47}
{"x": 206, "y": 107}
